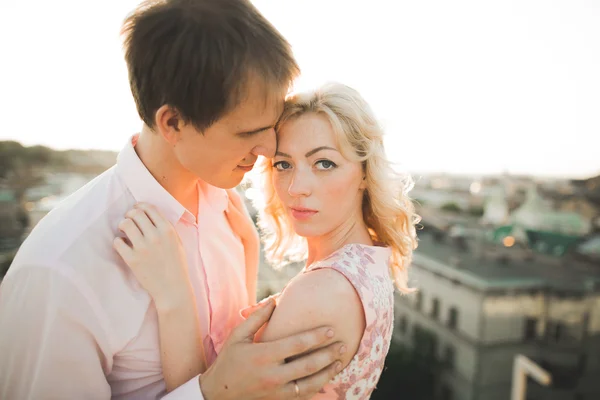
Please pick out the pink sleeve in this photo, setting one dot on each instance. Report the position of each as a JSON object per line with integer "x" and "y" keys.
{"x": 188, "y": 391}
{"x": 52, "y": 344}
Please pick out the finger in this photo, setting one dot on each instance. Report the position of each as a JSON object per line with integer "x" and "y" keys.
{"x": 300, "y": 343}
{"x": 155, "y": 216}
{"x": 237, "y": 214}
{"x": 232, "y": 209}
{"x": 237, "y": 206}
{"x": 312, "y": 363}
{"x": 235, "y": 198}
{"x": 128, "y": 227}
{"x": 246, "y": 312}
{"x": 309, "y": 387}
{"x": 243, "y": 224}
{"x": 142, "y": 220}
{"x": 123, "y": 249}
{"x": 247, "y": 329}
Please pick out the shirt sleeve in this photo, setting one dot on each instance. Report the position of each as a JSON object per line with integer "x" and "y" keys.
{"x": 188, "y": 391}
{"x": 52, "y": 343}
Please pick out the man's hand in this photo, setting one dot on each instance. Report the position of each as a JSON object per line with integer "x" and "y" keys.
{"x": 253, "y": 371}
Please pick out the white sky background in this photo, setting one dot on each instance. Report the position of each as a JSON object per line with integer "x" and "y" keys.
{"x": 464, "y": 86}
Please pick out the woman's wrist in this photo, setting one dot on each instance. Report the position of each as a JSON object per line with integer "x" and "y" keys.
{"x": 173, "y": 300}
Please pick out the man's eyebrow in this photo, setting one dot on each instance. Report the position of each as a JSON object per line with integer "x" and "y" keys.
{"x": 252, "y": 132}
{"x": 310, "y": 153}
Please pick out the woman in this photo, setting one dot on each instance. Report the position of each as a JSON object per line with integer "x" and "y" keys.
{"x": 332, "y": 198}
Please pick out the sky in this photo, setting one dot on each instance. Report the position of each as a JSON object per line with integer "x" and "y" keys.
{"x": 467, "y": 86}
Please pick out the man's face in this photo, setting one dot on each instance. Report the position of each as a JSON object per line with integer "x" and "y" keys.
{"x": 228, "y": 149}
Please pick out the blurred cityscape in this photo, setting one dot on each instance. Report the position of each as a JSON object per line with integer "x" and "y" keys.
{"x": 506, "y": 265}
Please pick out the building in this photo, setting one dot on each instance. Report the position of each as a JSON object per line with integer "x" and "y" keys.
{"x": 474, "y": 312}
{"x": 536, "y": 213}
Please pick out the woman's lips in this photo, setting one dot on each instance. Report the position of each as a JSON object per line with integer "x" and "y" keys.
{"x": 302, "y": 214}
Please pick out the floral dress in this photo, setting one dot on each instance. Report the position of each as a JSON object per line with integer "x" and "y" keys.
{"x": 366, "y": 268}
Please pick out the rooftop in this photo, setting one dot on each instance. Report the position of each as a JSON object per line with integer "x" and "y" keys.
{"x": 486, "y": 266}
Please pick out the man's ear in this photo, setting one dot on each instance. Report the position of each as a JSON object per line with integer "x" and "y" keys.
{"x": 168, "y": 123}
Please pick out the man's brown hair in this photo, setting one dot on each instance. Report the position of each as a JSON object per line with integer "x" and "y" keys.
{"x": 198, "y": 56}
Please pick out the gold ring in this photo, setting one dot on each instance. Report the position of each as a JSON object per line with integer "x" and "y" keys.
{"x": 296, "y": 389}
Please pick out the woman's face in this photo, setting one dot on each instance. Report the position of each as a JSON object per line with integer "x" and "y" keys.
{"x": 321, "y": 191}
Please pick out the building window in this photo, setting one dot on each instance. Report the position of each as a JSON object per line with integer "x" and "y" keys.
{"x": 530, "y": 329}
{"x": 403, "y": 324}
{"x": 585, "y": 325}
{"x": 419, "y": 300}
{"x": 556, "y": 331}
{"x": 551, "y": 331}
{"x": 449, "y": 356}
{"x": 435, "y": 308}
{"x": 416, "y": 331}
{"x": 425, "y": 343}
{"x": 453, "y": 318}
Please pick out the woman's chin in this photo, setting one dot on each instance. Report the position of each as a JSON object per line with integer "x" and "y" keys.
{"x": 306, "y": 231}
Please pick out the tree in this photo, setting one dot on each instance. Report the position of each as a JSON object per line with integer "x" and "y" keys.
{"x": 451, "y": 207}
{"x": 476, "y": 211}
{"x": 22, "y": 168}
{"x": 408, "y": 373}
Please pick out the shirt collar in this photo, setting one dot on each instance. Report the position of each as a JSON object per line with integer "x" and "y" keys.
{"x": 145, "y": 188}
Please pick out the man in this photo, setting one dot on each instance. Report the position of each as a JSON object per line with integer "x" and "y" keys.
{"x": 209, "y": 79}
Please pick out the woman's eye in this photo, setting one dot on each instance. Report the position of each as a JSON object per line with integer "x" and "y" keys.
{"x": 281, "y": 165}
{"x": 325, "y": 165}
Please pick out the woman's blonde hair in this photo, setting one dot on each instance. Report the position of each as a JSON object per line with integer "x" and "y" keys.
{"x": 388, "y": 212}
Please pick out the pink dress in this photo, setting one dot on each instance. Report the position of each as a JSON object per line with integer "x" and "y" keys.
{"x": 366, "y": 267}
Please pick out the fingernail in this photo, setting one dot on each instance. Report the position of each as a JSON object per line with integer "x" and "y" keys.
{"x": 244, "y": 312}
{"x": 343, "y": 349}
{"x": 246, "y": 308}
{"x": 269, "y": 301}
{"x": 338, "y": 366}
{"x": 330, "y": 333}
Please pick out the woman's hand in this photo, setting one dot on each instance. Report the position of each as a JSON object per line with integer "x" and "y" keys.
{"x": 154, "y": 252}
{"x": 239, "y": 219}
{"x": 243, "y": 226}
{"x": 157, "y": 259}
